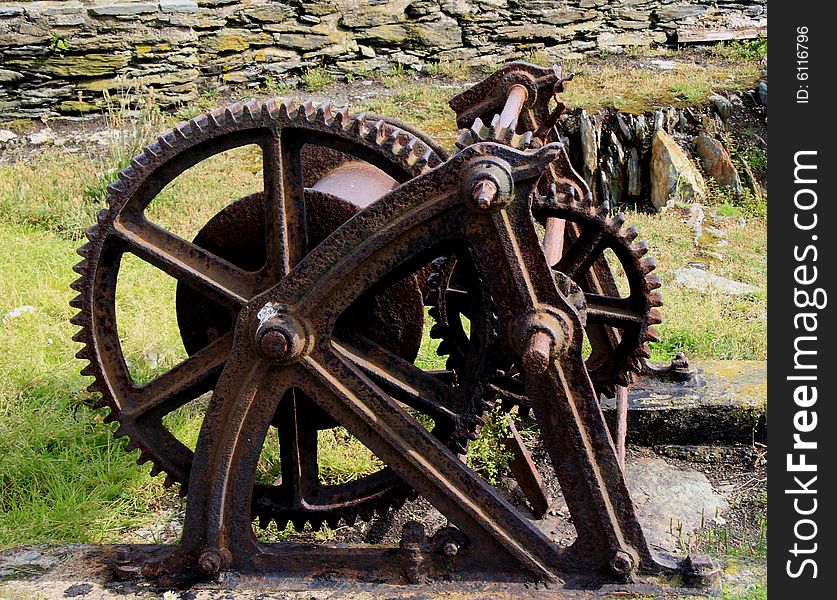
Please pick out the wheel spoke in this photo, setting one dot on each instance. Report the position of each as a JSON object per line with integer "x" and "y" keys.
{"x": 608, "y": 310}
{"x": 185, "y": 261}
{"x": 402, "y": 380}
{"x": 182, "y": 383}
{"x": 298, "y": 450}
{"x": 284, "y": 197}
{"x": 581, "y": 254}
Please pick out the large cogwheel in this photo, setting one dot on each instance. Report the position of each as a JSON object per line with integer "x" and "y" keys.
{"x": 235, "y": 257}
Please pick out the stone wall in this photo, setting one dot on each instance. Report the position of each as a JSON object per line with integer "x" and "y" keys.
{"x": 59, "y": 57}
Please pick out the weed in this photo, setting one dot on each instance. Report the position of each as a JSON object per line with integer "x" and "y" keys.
{"x": 488, "y": 455}
{"x": 538, "y": 57}
{"x": 394, "y": 75}
{"x": 136, "y": 119}
{"x": 276, "y": 87}
{"x": 316, "y": 79}
{"x": 742, "y": 50}
{"x": 453, "y": 69}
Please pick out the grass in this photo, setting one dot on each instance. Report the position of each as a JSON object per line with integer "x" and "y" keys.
{"x": 634, "y": 90}
{"x": 64, "y": 478}
{"x": 316, "y": 79}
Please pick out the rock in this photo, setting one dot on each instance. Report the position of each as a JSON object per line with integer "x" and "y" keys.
{"x": 673, "y": 175}
{"x": 717, "y": 162}
{"x": 703, "y": 281}
{"x": 663, "y": 65}
{"x": 677, "y": 12}
{"x": 87, "y": 65}
{"x": 179, "y": 6}
{"x": 721, "y": 106}
{"x": 7, "y": 136}
{"x": 669, "y": 499}
{"x": 106, "y": 137}
{"x": 7, "y": 76}
{"x": 384, "y": 34}
{"x": 19, "y": 312}
{"x": 44, "y": 136}
{"x": 589, "y": 146}
{"x": 762, "y": 90}
{"x": 626, "y": 126}
{"x": 634, "y": 188}
{"x": 10, "y": 11}
{"x": 641, "y": 129}
{"x": 659, "y": 119}
{"x": 443, "y": 33}
{"x": 121, "y": 9}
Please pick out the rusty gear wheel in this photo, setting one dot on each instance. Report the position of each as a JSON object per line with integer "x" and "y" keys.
{"x": 618, "y": 327}
{"x": 216, "y": 275}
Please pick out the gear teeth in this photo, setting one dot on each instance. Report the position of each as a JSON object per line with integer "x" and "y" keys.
{"x": 140, "y": 162}
{"x": 443, "y": 349}
{"x": 180, "y": 132}
{"x": 84, "y": 251}
{"x": 644, "y": 351}
{"x": 341, "y": 117}
{"x": 648, "y": 264}
{"x": 250, "y": 112}
{"x": 120, "y": 431}
{"x": 231, "y": 115}
{"x": 79, "y": 336}
{"x": 88, "y": 371}
{"x": 617, "y": 220}
{"x": 288, "y": 110}
{"x": 464, "y": 140}
{"x": 395, "y": 142}
{"x": 79, "y": 319}
{"x": 422, "y": 162}
{"x": 624, "y": 379}
{"x": 144, "y": 456}
{"x": 270, "y": 111}
{"x": 333, "y": 522}
{"x": 651, "y": 334}
{"x": 77, "y": 302}
{"x": 169, "y": 482}
{"x": 117, "y": 188}
{"x": 640, "y": 248}
{"x": 438, "y": 330}
{"x": 655, "y": 299}
{"x": 307, "y": 112}
{"x": 630, "y": 234}
{"x": 155, "y": 470}
{"x": 378, "y": 133}
{"x": 78, "y": 284}
{"x": 634, "y": 364}
{"x": 95, "y": 388}
{"x": 603, "y": 209}
{"x": 654, "y": 317}
{"x": 358, "y": 126}
{"x": 653, "y": 281}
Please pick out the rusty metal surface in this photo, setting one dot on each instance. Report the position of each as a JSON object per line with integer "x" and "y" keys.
{"x": 321, "y": 301}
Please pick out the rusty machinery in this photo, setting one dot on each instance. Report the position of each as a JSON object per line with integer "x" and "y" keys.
{"x": 303, "y": 307}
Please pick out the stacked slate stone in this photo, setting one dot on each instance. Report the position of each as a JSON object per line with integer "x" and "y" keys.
{"x": 58, "y": 57}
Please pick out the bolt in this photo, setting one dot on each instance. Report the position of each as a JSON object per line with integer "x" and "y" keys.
{"x": 484, "y": 193}
{"x": 537, "y": 354}
{"x": 211, "y": 562}
{"x": 450, "y": 549}
{"x": 275, "y": 343}
{"x": 622, "y": 563}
